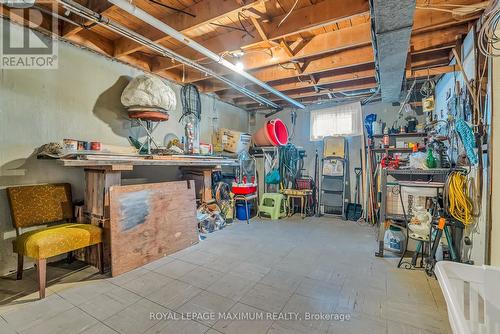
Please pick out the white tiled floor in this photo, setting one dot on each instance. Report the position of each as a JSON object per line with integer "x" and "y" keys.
{"x": 316, "y": 265}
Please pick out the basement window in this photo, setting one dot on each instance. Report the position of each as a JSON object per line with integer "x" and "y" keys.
{"x": 344, "y": 120}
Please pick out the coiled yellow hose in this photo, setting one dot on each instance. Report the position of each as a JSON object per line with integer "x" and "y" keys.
{"x": 460, "y": 205}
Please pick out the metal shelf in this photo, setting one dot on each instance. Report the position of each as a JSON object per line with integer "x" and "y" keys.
{"x": 403, "y": 135}
{"x": 404, "y": 173}
{"x": 394, "y": 150}
{"x": 434, "y": 171}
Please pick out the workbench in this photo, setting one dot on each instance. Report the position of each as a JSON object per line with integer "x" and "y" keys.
{"x": 102, "y": 173}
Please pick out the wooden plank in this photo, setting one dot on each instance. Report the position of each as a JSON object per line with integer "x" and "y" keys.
{"x": 147, "y": 162}
{"x": 96, "y": 209}
{"x": 431, "y": 71}
{"x": 98, "y": 6}
{"x": 202, "y": 180}
{"x": 347, "y": 88}
{"x": 150, "y": 221}
{"x": 206, "y": 11}
{"x": 323, "y": 43}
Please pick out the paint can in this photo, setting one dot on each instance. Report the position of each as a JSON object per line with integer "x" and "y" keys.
{"x": 70, "y": 144}
{"x": 83, "y": 145}
{"x": 386, "y": 140}
{"x": 95, "y": 146}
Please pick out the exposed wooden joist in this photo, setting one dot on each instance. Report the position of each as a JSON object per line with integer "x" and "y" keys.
{"x": 318, "y": 45}
{"x": 426, "y": 41}
{"x": 314, "y": 94}
{"x": 309, "y": 91}
{"x": 93, "y": 41}
{"x": 237, "y": 40}
{"x": 340, "y": 76}
{"x": 431, "y": 71}
{"x": 98, "y": 6}
{"x": 423, "y": 41}
{"x": 314, "y": 17}
{"x": 344, "y": 58}
{"x": 206, "y": 11}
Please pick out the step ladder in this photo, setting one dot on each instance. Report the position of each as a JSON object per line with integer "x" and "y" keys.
{"x": 334, "y": 186}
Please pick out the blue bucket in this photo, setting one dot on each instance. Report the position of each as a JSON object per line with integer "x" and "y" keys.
{"x": 241, "y": 213}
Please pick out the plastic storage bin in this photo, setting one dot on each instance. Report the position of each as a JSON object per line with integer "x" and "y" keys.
{"x": 472, "y": 295}
{"x": 243, "y": 211}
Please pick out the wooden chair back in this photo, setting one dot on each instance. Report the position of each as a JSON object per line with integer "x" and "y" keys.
{"x": 40, "y": 204}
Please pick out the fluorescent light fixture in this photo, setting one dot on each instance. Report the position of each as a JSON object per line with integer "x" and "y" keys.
{"x": 239, "y": 66}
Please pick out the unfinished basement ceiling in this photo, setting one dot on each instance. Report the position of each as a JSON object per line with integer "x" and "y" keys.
{"x": 318, "y": 51}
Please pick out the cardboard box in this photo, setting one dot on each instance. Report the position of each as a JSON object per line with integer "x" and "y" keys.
{"x": 231, "y": 141}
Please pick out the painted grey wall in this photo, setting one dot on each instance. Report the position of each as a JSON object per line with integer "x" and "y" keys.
{"x": 80, "y": 100}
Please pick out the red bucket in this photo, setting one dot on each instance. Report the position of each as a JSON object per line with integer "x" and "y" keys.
{"x": 274, "y": 133}
{"x": 278, "y": 132}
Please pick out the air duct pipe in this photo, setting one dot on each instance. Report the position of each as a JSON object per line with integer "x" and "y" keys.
{"x": 90, "y": 15}
{"x": 154, "y": 22}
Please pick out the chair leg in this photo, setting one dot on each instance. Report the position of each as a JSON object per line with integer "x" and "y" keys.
{"x": 100, "y": 257}
{"x": 70, "y": 258}
{"x": 20, "y": 265}
{"x": 41, "y": 266}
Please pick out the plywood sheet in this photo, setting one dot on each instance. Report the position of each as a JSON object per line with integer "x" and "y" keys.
{"x": 149, "y": 221}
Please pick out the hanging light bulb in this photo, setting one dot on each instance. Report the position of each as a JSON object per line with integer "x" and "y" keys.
{"x": 239, "y": 66}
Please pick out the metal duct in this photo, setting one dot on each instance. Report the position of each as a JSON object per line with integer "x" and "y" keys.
{"x": 393, "y": 22}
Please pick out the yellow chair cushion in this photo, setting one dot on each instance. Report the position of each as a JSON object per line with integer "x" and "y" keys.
{"x": 55, "y": 240}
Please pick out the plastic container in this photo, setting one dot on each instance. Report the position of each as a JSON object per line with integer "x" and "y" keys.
{"x": 242, "y": 213}
{"x": 273, "y": 133}
{"x": 472, "y": 295}
{"x": 394, "y": 240}
{"x": 244, "y": 189}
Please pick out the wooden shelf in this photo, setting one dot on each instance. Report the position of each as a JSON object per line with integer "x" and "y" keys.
{"x": 403, "y": 135}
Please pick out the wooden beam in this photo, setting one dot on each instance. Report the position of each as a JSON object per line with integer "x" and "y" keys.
{"x": 437, "y": 39}
{"x": 431, "y": 71}
{"x": 314, "y": 17}
{"x": 354, "y": 87}
{"x": 356, "y": 36}
{"x": 98, "y": 6}
{"x": 93, "y": 41}
{"x": 206, "y": 11}
{"x": 426, "y": 41}
{"x": 318, "y": 45}
{"x": 237, "y": 40}
{"x": 350, "y": 75}
{"x": 425, "y": 21}
{"x": 307, "y": 91}
{"x": 341, "y": 59}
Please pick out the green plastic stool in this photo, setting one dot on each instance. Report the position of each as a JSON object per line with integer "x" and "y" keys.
{"x": 273, "y": 205}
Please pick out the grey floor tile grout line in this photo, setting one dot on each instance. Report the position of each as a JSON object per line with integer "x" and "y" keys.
{"x": 307, "y": 284}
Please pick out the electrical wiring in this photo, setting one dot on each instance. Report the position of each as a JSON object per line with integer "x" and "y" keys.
{"x": 457, "y": 198}
{"x": 240, "y": 15}
{"x": 288, "y": 14}
{"x": 171, "y": 8}
{"x": 487, "y": 36}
